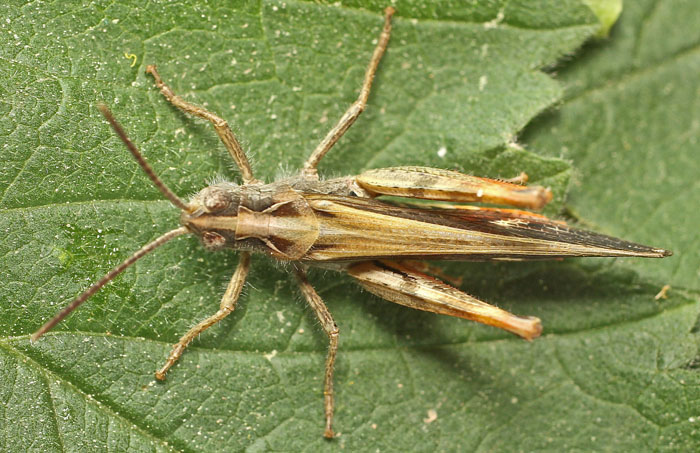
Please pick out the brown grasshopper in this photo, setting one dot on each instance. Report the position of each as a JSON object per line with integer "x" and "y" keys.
{"x": 339, "y": 224}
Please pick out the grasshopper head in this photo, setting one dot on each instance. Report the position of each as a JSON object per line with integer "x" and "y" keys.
{"x": 212, "y": 214}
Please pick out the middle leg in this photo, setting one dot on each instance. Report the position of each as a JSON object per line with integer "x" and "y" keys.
{"x": 357, "y": 107}
{"x": 330, "y": 327}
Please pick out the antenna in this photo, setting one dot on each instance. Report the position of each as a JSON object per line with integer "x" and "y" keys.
{"x": 169, "y": 194}
{"x": 146, "y": 249}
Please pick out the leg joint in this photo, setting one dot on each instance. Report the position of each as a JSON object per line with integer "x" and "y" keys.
{"x": 358, "y": 107}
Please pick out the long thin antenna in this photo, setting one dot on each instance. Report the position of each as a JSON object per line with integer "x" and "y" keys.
{"x": 107, "y": 278}
{"x": 169, "y": 194}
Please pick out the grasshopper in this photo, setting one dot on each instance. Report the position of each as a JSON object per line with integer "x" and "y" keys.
{"x": 339, "y": 224}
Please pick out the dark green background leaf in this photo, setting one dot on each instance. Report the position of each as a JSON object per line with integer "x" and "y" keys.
{"x": 613, "y": 359}
{"x": 631, "y": 115}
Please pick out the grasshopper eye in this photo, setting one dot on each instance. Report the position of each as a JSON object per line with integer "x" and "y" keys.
{"x": 216, "y": 199}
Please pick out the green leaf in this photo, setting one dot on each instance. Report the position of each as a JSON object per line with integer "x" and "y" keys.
{"x": 629, "y": 124}
{"x": 463, "y": 80}
{"x": 631, "y": 116}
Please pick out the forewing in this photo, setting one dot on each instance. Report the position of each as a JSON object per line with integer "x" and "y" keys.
{"x": 352, "y": 229}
